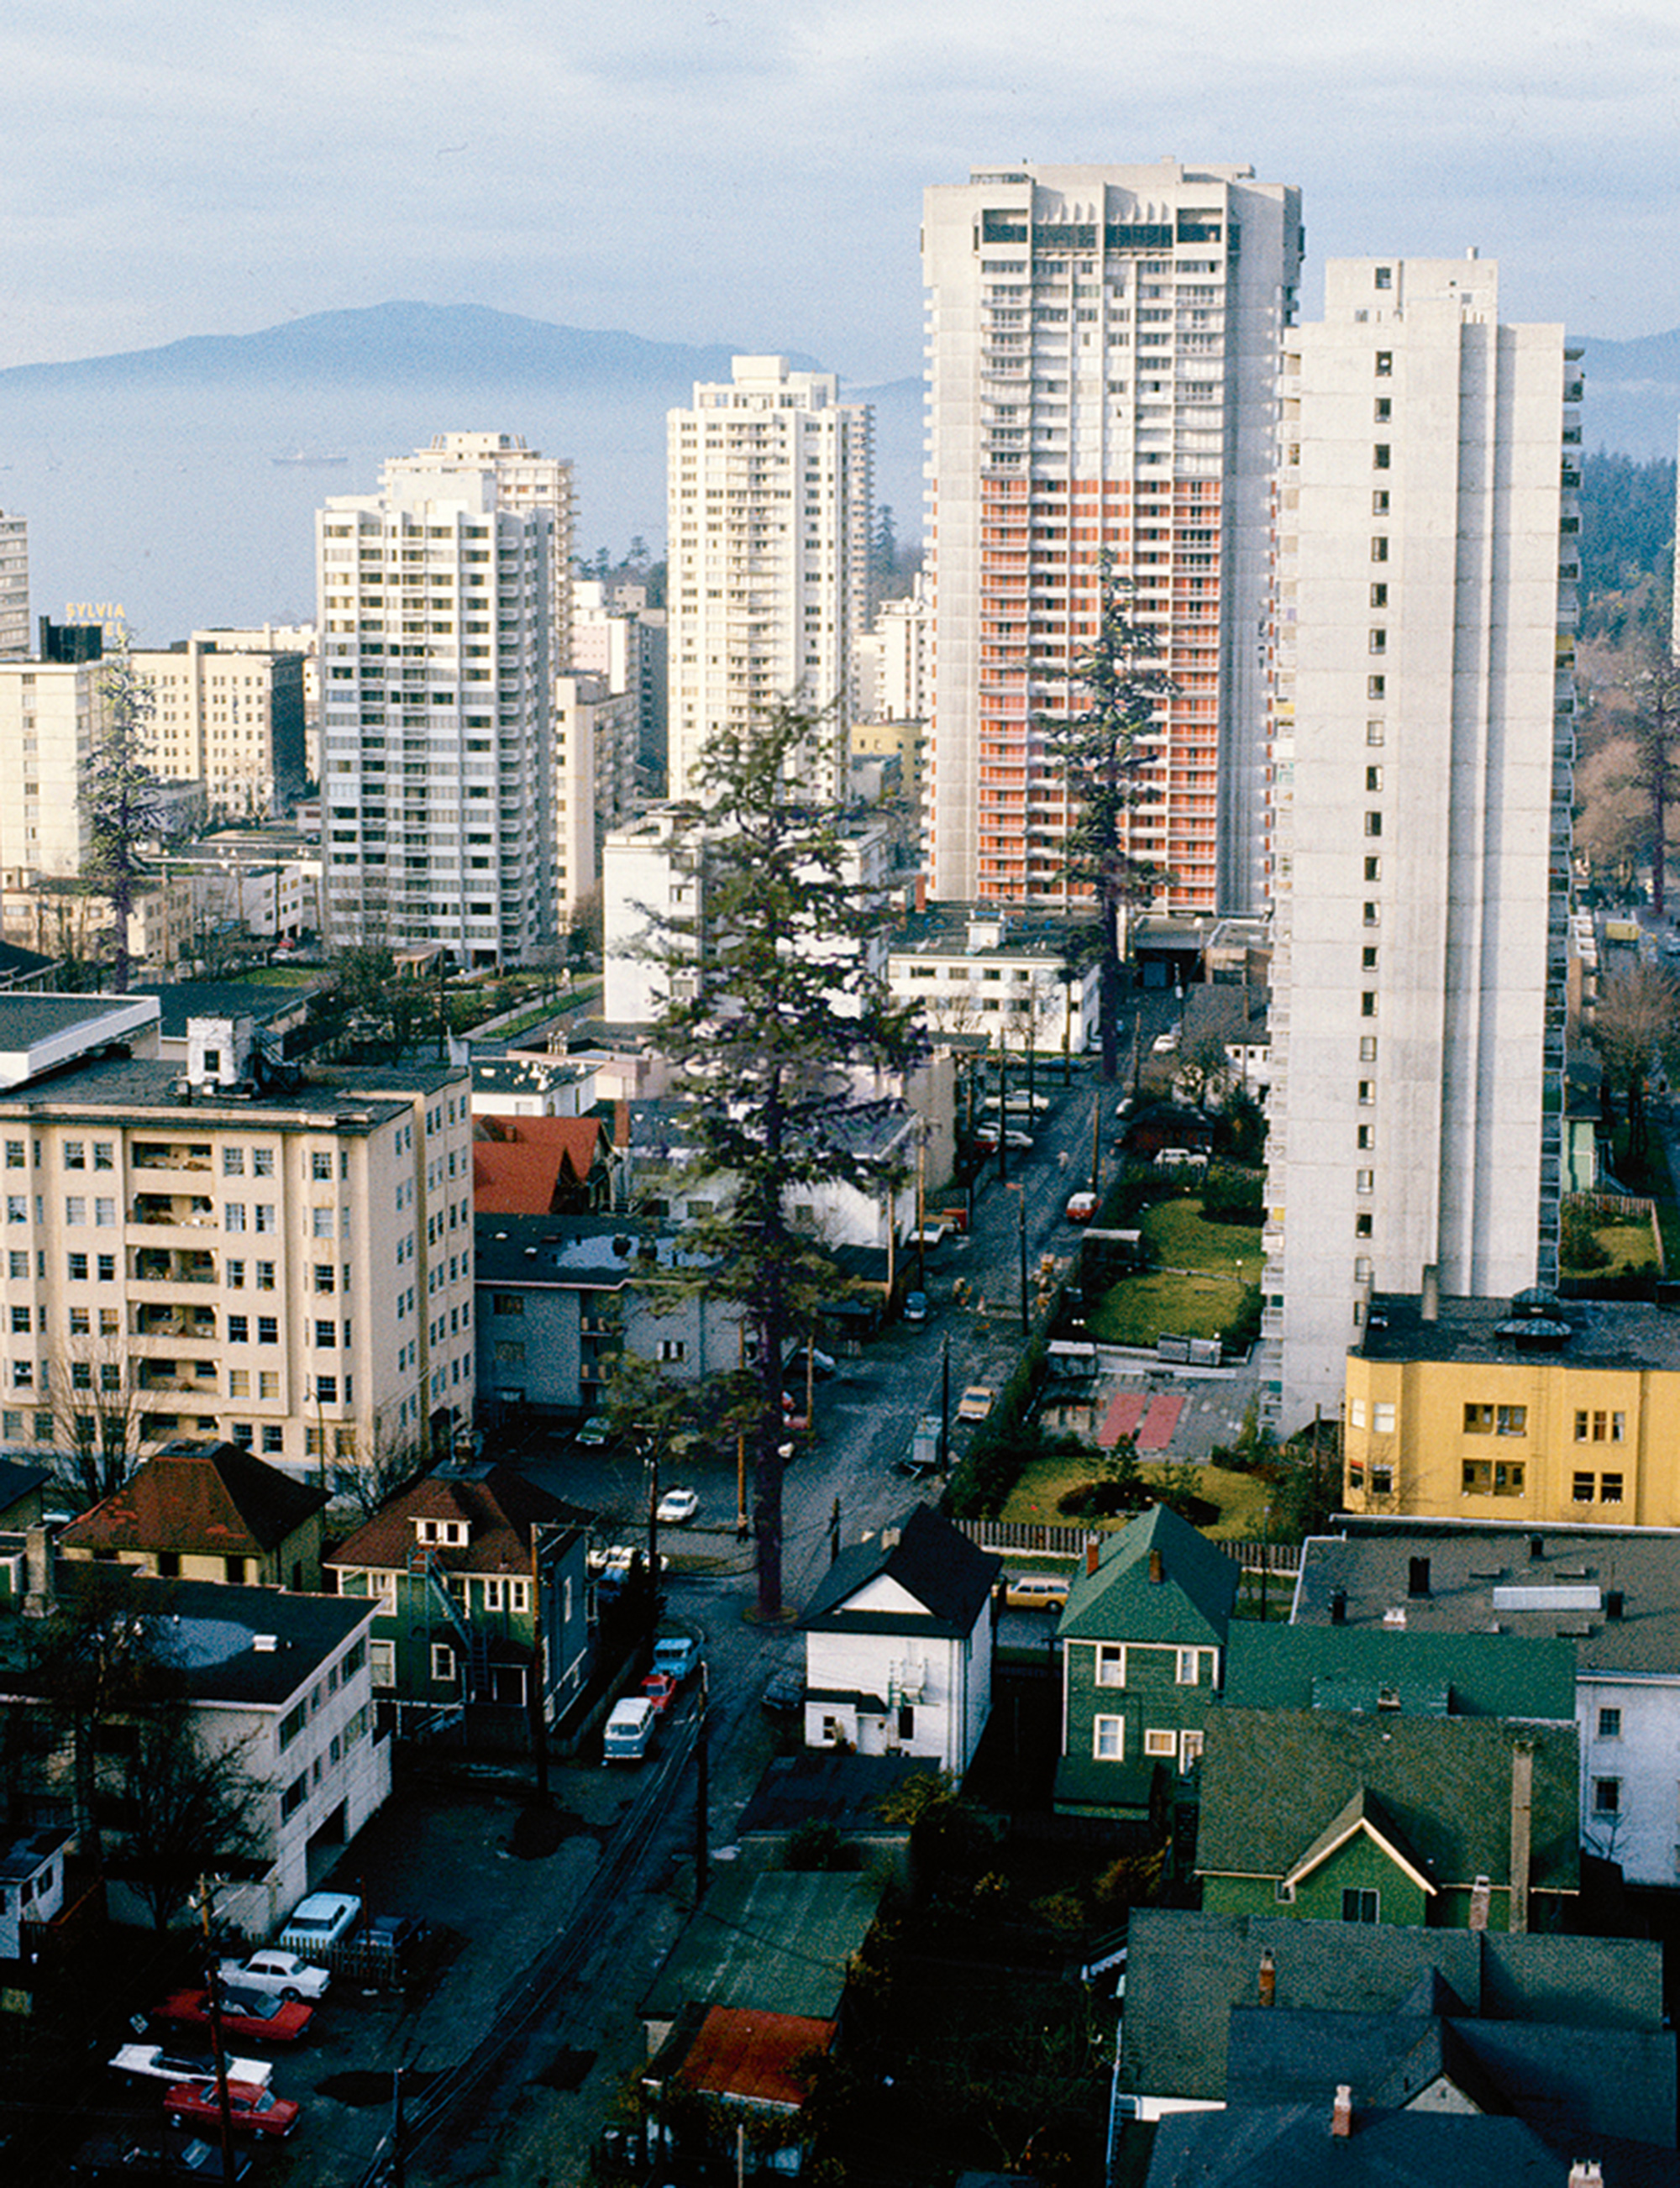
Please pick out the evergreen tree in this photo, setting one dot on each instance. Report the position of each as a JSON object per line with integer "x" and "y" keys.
{"x": 1098, "y": 748}
{"x": 771, "y": 992}
{"x": 123, "y": 796}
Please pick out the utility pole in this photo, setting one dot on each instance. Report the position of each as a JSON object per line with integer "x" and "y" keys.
{"x": 1020, "y": 1190}
{"x": 213, "y": 2015}
{"x": 701, "y": 1778}
{"x": 945, "y": 1407}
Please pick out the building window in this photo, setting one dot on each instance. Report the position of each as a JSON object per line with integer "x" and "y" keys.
{"x": 320, "y": 1165}
{"x": 1108, "y": 1740}
{"x": 1360, "y": 1905}
{"x": 1189, "y": 1668}
{"x": 1607, "y": 1796}
{"x": 1580, "y": 1488}
{"x": 1384, "y": 279}
{"x": 443, "y": 1663}
{"x": 1609, "y": 1489}
{"x": 1111, "y": 1665}
{"x": 1609, "y": 1724}
{"x": 1384, "y": 364}
{"x": 1383, "y": 1416}
{"x": 382, "y": 1662}
{"x": 1511, "y": 1420}
{"x": 1160, "y": 1743}
{"x": 1479, "y": 1420}
{"x": 1485, "y": 1477}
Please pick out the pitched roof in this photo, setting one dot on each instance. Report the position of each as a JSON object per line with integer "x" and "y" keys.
{"x": 1190, "y": 1603}
{"x": 931, "y": 1561}
{"x": 1272, "y": 1779}
{"x": 1186, "y": 1972}
{"x": 515, "y": 1180}
{"x": 201, "y": 1499}
{"x": 826, "y": 1785}
{"x": 779, "y": 1940}
{"x": 1272, "y": 1666}
{"x": 1258, "y": 2147}
{"x": 1364, "y": 1814}
{"x": 752, "y": 2056}
{"x": 501, "y": 1510}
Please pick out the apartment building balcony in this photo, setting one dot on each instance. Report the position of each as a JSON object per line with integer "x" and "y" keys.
{"x": 181, "y": 1211}
{"x": 195, "y": 1377}
{"x": 164, "y": 1266}
{"x": 169, "y": 1155}
{"x": 164, "y": 1318}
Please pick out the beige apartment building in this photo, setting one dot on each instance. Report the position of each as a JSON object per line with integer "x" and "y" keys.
{"x": 230, "y": 715}
{"x": 283, "y": 1263}
{"x": 49, "y": 715}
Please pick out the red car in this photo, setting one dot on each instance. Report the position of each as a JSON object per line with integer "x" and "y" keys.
{"x": 252, "y": 2110}
{"x": 661, "y": 1689}
{"x": 253, "y": 2016}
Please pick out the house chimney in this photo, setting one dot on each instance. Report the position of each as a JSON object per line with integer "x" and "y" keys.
{"x": 1341, "y": 2114}
{"x": 1481, "y": 1900}
{"x": 1615, "y": 1603}
{"x": 1522, "y": 1831}
{"x": 1587, "y": 2172}
{"x": 621, "y": 1123}
{"x": 1417, "y": 1577}
{"x": 1157, "y": 1572}
{"x": 1268, "y": 1978}
{"x": 1536, "y": 1548}
{"x": 1428, "y": 1309}
{"x": 38, "y": 1601}
{"x": 1339, "y": 1606}
{"x": 1091, "y": 1555}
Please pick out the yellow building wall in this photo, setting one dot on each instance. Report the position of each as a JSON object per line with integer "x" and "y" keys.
{"x": 1535, "y": 1438}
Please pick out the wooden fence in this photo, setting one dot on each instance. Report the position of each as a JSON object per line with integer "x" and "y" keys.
{"x": 1032, "y": 1538}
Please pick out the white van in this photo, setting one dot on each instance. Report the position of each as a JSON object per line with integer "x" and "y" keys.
{"x": 629, "y": 1730}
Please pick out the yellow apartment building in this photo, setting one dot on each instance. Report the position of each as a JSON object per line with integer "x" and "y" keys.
{"x": 1532, "y": 1409}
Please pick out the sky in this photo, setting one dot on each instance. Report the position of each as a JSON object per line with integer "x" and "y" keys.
{"x": 730, "y": 171}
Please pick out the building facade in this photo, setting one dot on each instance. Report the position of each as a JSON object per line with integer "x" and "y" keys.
{"x": 13, "y": 587}
{"x": 288, "y": 1268}
{"x": 50, "y": 713}
{"x": 1103, "y": 345}
{"x": 1426, "y": 599}
{"x": 438, "y": 597}
{"x": 771, "y": 487}
{"x": 229, "y": 716}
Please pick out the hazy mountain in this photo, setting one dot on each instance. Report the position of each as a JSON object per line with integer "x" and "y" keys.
{"x": 158, "y": 479}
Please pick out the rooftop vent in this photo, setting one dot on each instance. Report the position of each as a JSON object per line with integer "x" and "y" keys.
{"x": 265, "y": 1645}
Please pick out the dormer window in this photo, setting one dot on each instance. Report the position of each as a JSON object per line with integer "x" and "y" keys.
{"x": 451, "y": 1533}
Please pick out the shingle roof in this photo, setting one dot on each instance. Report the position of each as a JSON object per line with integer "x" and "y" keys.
{"x": 931, "y": 1560}
{"x": 1274, "y": 1667}
{"x": 1191, "y": 1603}
{"x": 1272, "y": 1780}
{"x": 777, "y": 1939}
{"x": 1259, "y": 2148}
{"x": 821, "y": 1784}
{"x": 203, "y": 1499}
{"x": 1186, "y": 1972}
{"x": 500, "y": 1507}
{"x": 752, "y": 2057}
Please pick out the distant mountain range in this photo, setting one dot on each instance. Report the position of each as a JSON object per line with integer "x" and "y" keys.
{"x": 151, "y": 477}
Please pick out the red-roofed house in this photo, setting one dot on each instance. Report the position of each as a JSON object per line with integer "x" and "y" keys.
{"x": 207, "y": 1511}
{"x": 540, "y": 1165}
{"x": 756, "y": 2065}
{"x": 481, "y": 1584}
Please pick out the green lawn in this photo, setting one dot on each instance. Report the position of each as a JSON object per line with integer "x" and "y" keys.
{"x": 1197, "y": 1289}
{"x": 1240, "y": 1498}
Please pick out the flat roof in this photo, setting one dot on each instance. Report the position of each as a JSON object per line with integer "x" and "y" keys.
{"x": 1602, "y": 1333}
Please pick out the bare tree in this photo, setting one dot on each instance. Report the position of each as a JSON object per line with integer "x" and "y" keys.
{"x": 394, "y": 1455}
{"x": 1636, "y": 1023}
{"x": 122, "y": 795}
{"x": 101, "y": 1427}
{"x": 184, "y": 1809}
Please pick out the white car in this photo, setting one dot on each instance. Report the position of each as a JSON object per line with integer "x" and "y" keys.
{"x": 272, "y": 1970}
{"x": 320, "y": 1921}
{"x": 151, "y": 2062}
{"x": 676, "y": 1507}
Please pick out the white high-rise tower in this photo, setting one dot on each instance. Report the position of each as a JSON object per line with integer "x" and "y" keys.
{"x": 771, "y": 487}
{"x": 438, "y": 780}
{"x": 1103, "y": 345}
{"x": 1426, "y": 701}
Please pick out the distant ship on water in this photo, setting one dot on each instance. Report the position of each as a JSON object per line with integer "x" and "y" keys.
{"x": 310, "y": 458}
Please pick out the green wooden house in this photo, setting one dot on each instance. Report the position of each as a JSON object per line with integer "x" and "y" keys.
{"x": 1143, "y": 1640}
{"x": 1441, "y": 1821}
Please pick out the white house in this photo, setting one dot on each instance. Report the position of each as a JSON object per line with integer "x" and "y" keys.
{"x": 32, "y": 1884}
{"x": 974, "y": 970}
{"x": 898, "y": 1645}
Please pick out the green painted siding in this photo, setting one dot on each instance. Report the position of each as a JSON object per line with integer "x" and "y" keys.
{"x": 1150, "y": 1699}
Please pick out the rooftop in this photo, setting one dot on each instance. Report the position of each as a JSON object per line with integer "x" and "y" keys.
{"x": 595, "y": 1253}
{"x": 1621, "y": 1333}
{"x": 117, "y": 1089}
{"x": 502, "y": 1512}
{"x": 205, "y": 1499}
{"x": 777, "y": 1939}
{"x": 924, "y": 1559}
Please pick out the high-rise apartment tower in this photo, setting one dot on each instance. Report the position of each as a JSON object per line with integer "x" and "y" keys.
{"x": 438, "y": 788}
{"x": 1103, "y": 345}
{"x": 770, "y": 485}
{"x": 1426, "y": 731}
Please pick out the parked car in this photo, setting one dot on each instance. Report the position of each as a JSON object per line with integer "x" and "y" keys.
{"x": 984, "y": 1142}
{"x": 395, "y": 1934}
{"x": 629, "y": 1730}
{"x": 975, "y": 1402}
{"x": 320, "y": 1921}
{"x": 251, "y": 2109}
{"x": 151, "y": 2063}
{"x": 929, "y": 1236}
{"x": 1034, "y": 1592}
{"x": 676, "y": 1507}
{"x": 595, "y": 1434}
{"x": 1081, "y": 1207}
{"x": 661, "y": 1689}
{"x": 252, "y": 2016}
{"x": 1165, "y": 1044}
{"x": 784, "y": 1693}
{"x": 172, "y": 2157}
{"x": 915, "y": 1306}
{"x": 678, "y": 1654}
{"x": 274, "y": 1970}
{"x": 822, "y": 1363}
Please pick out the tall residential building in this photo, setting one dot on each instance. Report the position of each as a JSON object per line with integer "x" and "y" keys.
{"x": 1427, "y": 603}
{"x": 896, "y": 659}
{"x": 771, "y": 481}
{"x": 50, "y": 712}
{"x": 285, "y": 1266}
{"x": 13, "y": 587}
{"x": 1103, "y": 350}
{"x": 228, "y": 715}
{"x": 438, "y": 793}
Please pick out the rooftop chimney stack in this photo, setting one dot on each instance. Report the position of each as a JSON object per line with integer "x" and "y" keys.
{"x": 1587, "y": 2172}
{"x": 1157, "y": 1572}
{"x": 1268, "y": 1978}
{"x": 1341, "y": 2114}
{"x": 1522, "y": 1830}
{"x": 1339, "y": 1606}
{"x": 1417, "y": 1577}
{"x": 1090, "y": 1556}
{"x": 38, "y": 1601}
